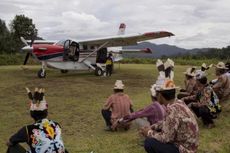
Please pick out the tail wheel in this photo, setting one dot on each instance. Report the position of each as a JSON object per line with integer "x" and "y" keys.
{"x": 98, "y": 71}
{"x": 41, "y": 73}
{"x": 64, "y": 71}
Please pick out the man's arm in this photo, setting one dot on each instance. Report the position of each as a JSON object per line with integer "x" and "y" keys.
{"x": 221, "y": 80}
{"x": 20, "y": 136}
{"x": 140, "y": 113}
{"x": 108, "y": 103}
{"x": 190, "y": 98}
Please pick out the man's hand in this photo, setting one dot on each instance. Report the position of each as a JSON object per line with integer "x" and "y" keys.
{"x": 193, "y": 105}
{"x": 8, "y": 143}
{"x": 145, "y": 130}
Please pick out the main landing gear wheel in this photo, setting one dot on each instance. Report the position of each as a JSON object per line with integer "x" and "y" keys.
{"x": 64, "y": 71}
{"x": 41, "y": 73}
{"x": 98, "y": 71}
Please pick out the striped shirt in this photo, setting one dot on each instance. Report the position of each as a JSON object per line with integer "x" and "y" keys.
{"x": 119, "y": 104}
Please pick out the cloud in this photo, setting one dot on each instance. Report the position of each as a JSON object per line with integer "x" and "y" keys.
{"x": 195, "y": 23}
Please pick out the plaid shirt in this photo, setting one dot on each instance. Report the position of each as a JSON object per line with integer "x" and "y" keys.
{"x": 179, "y": 127}
{"x": 119, "y": 104}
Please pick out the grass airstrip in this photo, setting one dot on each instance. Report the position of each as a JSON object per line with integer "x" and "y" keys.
{"x": 75, "y": 101}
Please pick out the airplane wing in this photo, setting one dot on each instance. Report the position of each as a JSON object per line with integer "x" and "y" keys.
{"x": 124, "y": 40}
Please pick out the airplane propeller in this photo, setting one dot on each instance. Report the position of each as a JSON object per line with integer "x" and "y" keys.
{"x": 24, "y": 41}
{"x": 27, "y": 48}
{"x": 26, "y": 58}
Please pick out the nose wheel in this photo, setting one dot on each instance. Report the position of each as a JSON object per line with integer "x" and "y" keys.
{"x": 42, "y": 73}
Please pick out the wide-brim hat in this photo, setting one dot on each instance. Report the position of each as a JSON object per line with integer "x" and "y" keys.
{"x": 190, "y": 72}
{"x": 221, "y": 65}
{"x": 118, "y": 85}
{"x": 204, "y": 66}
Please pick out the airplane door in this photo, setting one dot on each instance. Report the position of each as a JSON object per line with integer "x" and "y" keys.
{"x": 101, "y": 55}
{"x": 71, "y": 51}
{"x": 66, "y": 50}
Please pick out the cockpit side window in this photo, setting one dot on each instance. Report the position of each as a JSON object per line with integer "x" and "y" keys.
{"x": 71, "y": 51}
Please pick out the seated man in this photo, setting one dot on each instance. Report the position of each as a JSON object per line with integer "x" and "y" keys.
{"x": 42, "y": 136}
{"x": 205, "y": 103}
{"x": 190, "y": 84}
{"x": 154, "y": 112}
{"x": 222, "y": 86}
{"x": 117, "y": 106}
{"x": 201, "y": 72}
{"x": 178, "y": 132}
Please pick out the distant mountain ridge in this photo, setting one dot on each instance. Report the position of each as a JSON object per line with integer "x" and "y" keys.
{"x": 161, "y": 50}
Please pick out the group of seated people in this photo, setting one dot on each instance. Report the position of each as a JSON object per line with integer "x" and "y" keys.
{"x": 169, "y": 124}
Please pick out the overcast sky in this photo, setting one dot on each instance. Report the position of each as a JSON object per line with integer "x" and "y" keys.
{"x": 197, "y": 23}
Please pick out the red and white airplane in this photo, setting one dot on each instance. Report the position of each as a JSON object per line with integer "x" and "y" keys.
{"x": 83, "y": 54}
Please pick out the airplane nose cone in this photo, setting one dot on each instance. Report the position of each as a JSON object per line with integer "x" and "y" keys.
{"x": 27, "y": 48}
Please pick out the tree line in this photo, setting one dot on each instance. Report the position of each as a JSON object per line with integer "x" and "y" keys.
{"x": 20, "y": 26}
{"x": 211, "y": 53}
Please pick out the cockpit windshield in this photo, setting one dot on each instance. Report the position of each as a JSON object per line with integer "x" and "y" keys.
{"x": 60, "y": 43}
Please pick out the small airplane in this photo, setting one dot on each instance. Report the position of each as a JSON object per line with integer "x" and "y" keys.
{"x": 83, "y": 54}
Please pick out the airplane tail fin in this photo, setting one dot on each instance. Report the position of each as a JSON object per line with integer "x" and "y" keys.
{"x": 121, "y": 30}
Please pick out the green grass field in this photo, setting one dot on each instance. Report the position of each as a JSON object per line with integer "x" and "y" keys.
{"x": 76, "y": 98}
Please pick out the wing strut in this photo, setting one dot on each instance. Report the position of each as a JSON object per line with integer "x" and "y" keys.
{"x": 94, "y": 51}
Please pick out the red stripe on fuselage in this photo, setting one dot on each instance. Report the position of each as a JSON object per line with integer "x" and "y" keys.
{"x": 46, "y": 49}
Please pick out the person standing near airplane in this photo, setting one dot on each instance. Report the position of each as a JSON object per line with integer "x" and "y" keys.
{"x": 42, "y": 136}
{"x": 109, "y": 65}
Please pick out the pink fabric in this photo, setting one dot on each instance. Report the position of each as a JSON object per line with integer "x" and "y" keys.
{"x": 119, "y": 104}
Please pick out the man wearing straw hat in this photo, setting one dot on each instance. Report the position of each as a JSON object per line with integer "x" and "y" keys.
{"x": 222, "y": 86}
{"x": 178, "y": 132}
{"x": 117, "y": 106}
{"x": 205, "y": 103}
{"x": 42, "y": 136}
{"x": 190, "y": 84}
{"x": 201, "y": 72}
